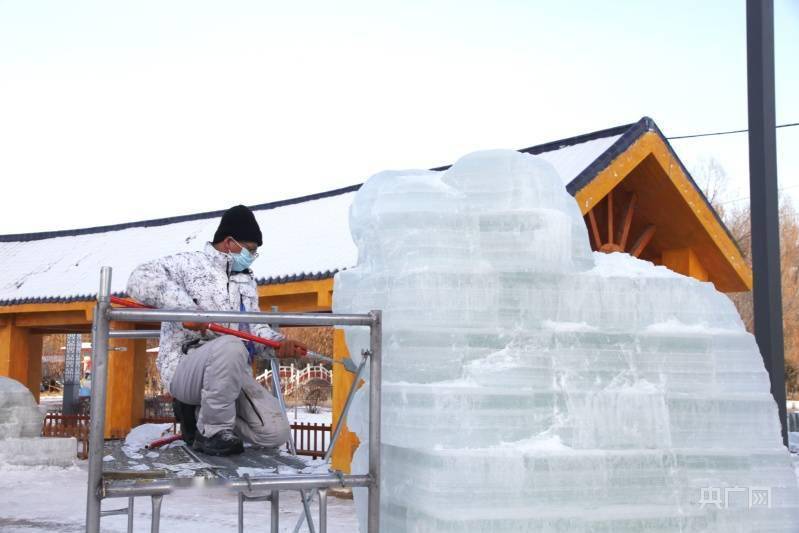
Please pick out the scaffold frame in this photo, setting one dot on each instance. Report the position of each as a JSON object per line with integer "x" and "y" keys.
{"x": 100, "y": 488}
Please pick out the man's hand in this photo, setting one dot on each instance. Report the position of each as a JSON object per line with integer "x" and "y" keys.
{"x": 291, "y": 348}
{"x": 196, "y": 326}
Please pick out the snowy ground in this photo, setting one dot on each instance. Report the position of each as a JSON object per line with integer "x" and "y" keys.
{"x": 54, "y": 499}
{"x": 324, "y": 416}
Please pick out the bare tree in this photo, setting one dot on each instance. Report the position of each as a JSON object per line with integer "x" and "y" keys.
{"x": 712, "y": 179}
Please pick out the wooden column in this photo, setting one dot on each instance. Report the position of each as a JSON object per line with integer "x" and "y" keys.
{"x": 686, "y": 262}
{"x": 127, "y": 362}
{"x": 20, "y": 355}
{"x": 342, "y": 381}
{"x": 35, "y": 364}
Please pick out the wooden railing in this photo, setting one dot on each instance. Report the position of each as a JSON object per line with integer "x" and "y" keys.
{"x": 292, "y": 378}
{"x": 58, "y": 425}
{"x": 311, "y": 438}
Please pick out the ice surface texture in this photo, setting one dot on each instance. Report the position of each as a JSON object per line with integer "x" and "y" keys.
{"x": 532, "y": 385}
{"x": 20, "y": 427}
{"x": 19, "y": 414}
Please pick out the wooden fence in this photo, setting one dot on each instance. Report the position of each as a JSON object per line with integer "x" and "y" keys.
{"x": 58, "y": 425}
{"x": 311, "y": 439}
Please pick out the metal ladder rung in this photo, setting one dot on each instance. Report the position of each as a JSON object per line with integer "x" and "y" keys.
{"x": 113, "y": 512}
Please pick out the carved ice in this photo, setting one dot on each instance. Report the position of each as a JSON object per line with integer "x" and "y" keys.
{"x": 530, "y": 385}
{"x": 20, "y": 428}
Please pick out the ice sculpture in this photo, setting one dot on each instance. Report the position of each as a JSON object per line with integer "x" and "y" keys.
{"x": 20, "y": 428}
{"x": 531, "y": 385}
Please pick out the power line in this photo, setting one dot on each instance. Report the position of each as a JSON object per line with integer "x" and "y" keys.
{"x": 747, "y": 197}
{"x": 789, "y": 125}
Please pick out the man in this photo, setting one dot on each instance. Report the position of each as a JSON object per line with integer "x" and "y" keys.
{"x": 202, "y": 369}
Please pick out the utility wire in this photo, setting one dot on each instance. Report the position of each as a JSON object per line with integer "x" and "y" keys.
{"x": 789, "y": 125}
{"x": 747, "y": 197}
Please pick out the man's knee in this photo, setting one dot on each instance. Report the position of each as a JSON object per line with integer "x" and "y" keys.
{"x": 275, "y": 431}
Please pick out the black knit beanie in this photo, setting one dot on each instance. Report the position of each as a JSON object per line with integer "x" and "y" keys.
{"x": 239, "y": 222}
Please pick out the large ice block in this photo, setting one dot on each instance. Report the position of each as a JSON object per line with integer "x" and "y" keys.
{"x": 532, "y": 385}
{"x": 21, "y": 427}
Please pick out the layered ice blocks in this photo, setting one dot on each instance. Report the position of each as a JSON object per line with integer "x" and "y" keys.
{"x": 531, "y": 385}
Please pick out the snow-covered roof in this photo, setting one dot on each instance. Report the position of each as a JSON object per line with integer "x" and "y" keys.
{"x": 304, "y": 238}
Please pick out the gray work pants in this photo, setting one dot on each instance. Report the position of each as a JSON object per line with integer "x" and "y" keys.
{"x": 217, "y": 377}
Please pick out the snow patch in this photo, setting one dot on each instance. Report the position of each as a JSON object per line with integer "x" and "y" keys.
{"x": 673, "y": 325}
{"x": 568, "y": 327}
{"x": 622, "y": 265}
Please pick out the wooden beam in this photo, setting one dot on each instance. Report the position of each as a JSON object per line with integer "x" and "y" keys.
{"x": 643, "y": 241}
{"x": 86, "y": 306}
{"x": 628, "y": 220}
{"x": 311, "y": 286}
{"x": 51, "y": 319}
{"x": 293, "y": 303}
{"x": 62, "y": 330}
{"x": 324, "y": 299}
{"x": 594, "y": 229}
{"x": 686, "y": 262}
{"x": 21, "y": 356}
{"x": 298, "y": 296}
{"x": 610, "y": 217}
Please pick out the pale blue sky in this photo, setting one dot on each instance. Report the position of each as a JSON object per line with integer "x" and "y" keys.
{"x": 180, "y": 107}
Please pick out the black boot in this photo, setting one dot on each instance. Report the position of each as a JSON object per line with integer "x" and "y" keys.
{"x": 223, "y": 443}
{"x": 185, "y": 415}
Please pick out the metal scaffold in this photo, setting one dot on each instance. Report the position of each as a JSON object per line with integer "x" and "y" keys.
{"x": 103, "y": 485}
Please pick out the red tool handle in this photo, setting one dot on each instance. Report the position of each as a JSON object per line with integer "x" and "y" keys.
{"x": 213, "y": 327}
{"x": 164, "y": 441}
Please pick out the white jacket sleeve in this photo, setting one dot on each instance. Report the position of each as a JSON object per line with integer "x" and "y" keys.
{"x": 160, "y": 283}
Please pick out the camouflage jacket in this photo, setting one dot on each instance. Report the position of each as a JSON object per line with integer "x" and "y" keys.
{"x": 193, "y": 280}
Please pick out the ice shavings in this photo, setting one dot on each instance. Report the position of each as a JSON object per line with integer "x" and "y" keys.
{"x": 182, "y": 467}
{"x": 139, "y": 437}
{"x": 254, "y": 472}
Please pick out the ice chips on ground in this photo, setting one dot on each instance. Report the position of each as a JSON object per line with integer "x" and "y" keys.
{"x": 533, "y": 385}
{"x": 140, "y": 436}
